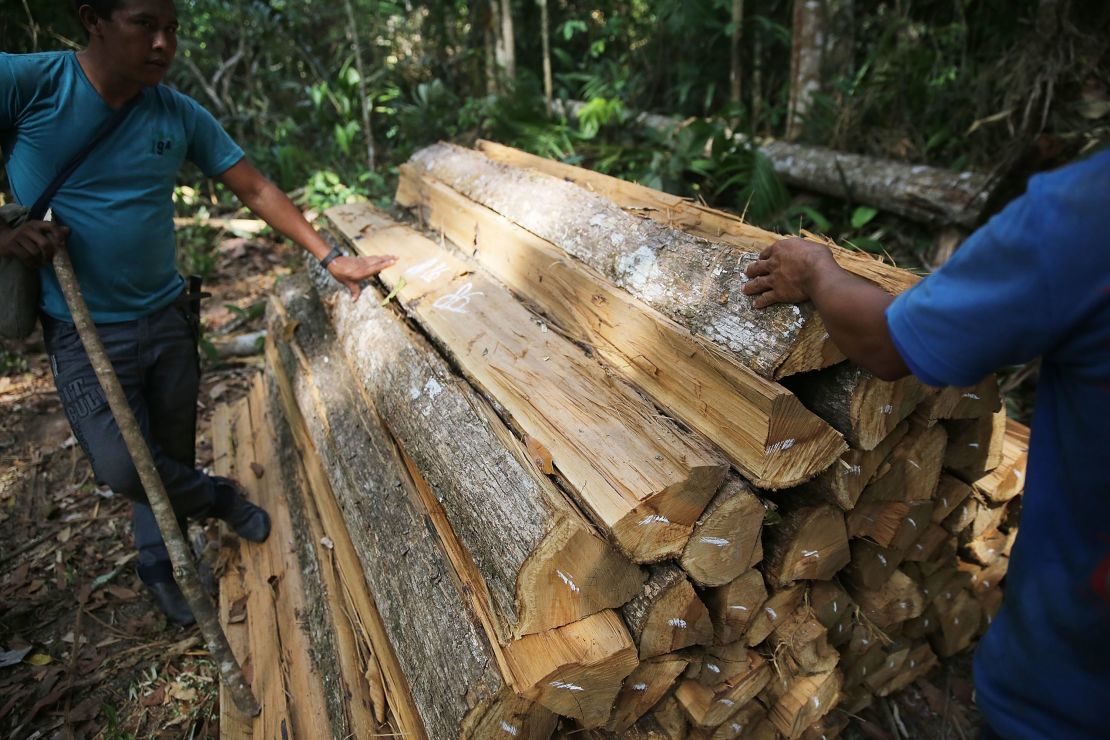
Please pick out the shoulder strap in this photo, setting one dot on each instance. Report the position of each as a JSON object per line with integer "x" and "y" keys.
{"x": 38, "y": 210}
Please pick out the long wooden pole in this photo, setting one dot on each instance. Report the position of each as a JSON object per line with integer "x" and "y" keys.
{"x": 184, "y": 571}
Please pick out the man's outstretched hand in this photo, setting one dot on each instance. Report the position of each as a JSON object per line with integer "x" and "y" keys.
{"x": 32, "y": 242}
{"x": 351, "y": 271}
{"x": 786, "y": 271}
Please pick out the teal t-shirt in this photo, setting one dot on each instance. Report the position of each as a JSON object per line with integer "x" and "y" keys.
{"x": 118, "y": 203}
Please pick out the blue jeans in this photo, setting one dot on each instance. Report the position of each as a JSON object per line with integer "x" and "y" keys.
{"x": 155, "y": 358}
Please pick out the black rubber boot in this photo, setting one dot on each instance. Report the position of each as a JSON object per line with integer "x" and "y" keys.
{"x": 249, "y": 521}
{"x": 158, "y": 579}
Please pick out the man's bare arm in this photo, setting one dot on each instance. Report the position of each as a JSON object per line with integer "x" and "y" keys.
{"x": 853, "y": 309}
{"x": 274, "y": 207}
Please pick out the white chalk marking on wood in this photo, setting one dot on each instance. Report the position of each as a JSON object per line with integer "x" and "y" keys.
{"x": 458, "y": 301}
{"x": 718, "y": 541}
{"x": 566, "y": 685}
{"x": 509, "y": 728}
{"x": 567, "y": 580}
{"x": 654, "y": 519}
{"x": 677, "y": 623}
{"x": 785, "y": 444}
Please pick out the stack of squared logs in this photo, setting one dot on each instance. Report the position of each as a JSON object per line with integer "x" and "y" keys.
{"x": 558, "y": 467}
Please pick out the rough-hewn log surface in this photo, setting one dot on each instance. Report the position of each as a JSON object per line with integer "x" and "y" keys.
{"x": 275, "y": 637}
{"x": 765, "y": 431}
{"x": 695, "y": 218}
{"x": 639, "y": 475}
{"x": 543, "y": 564}
{"x": 456, "y": 679}
{"x": 693, "y": 281}
{"x": 367, "y": 663}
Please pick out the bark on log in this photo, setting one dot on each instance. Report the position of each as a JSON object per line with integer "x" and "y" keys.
{"x": 931, "y": 195}
{"x": 863, "y": 408}
{"x": 726, "y": 539}
{"x": 393, "y": 529}
{"x": 695, "y": 218}
{"x": 801, "y": 645}
{"x": 897, "y": 600}
{"x": 644, "y": 480}
{"x": 765, "y": 431}
{"x": 695, "y": 282}
{"x": 667, "y": 615}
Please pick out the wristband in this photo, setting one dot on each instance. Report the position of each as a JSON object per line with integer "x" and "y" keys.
{"x": 330, "y": 257}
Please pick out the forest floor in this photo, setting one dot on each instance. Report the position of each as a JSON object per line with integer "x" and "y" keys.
{"x": 84, "y": 653}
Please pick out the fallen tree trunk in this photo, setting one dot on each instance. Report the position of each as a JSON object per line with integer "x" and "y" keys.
{"x": 697, "y": 219}
{"x": 644, "y": 480}
{"x": 696, "y": 282}
{"x": 772, "y": 439}
{"x": 919, "y": 192}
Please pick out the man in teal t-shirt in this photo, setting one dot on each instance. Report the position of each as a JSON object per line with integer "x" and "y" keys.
{"x": 117, "y": 212}
{"x": 1033, "y": 282}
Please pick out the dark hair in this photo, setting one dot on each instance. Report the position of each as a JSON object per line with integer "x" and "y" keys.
{"x": 103, "y": 8}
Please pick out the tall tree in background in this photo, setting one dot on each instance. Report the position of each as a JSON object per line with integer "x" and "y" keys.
{"x": 364, "y": 97}
{"x": 502, "y": 42}
{"x": 735, "y": 68}
{"x": 545, "y": 37}
{"x": 806, "y": 62}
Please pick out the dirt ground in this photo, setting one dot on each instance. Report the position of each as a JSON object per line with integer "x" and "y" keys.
{"x": 84, "y": 653}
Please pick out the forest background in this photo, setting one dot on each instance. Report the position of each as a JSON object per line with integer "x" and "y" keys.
{"x": 328, "y": 98}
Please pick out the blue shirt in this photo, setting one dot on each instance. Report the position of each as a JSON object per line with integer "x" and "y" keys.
{"x": 1035, "y": 281}
{"x": 118, "y": 203}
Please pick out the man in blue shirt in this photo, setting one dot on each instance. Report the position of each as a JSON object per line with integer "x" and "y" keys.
{"x": 1033, "y": 282}
{"x": 117, "y": 212}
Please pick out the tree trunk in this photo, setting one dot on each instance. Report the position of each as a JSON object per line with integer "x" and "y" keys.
{"x": 771, "y": 438}
{"x": 695, "y": 282}
{"x": 656, "y": 479}
{"x": 363, "y": 94}
{"x": 545, "y": 38}
{"x": 919, "y": 192}
{"x": 735, "y": 74}
{"x": 806, "y": 61}
{"x": 504, "y": 42}
{"x": 693, "y": 217}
